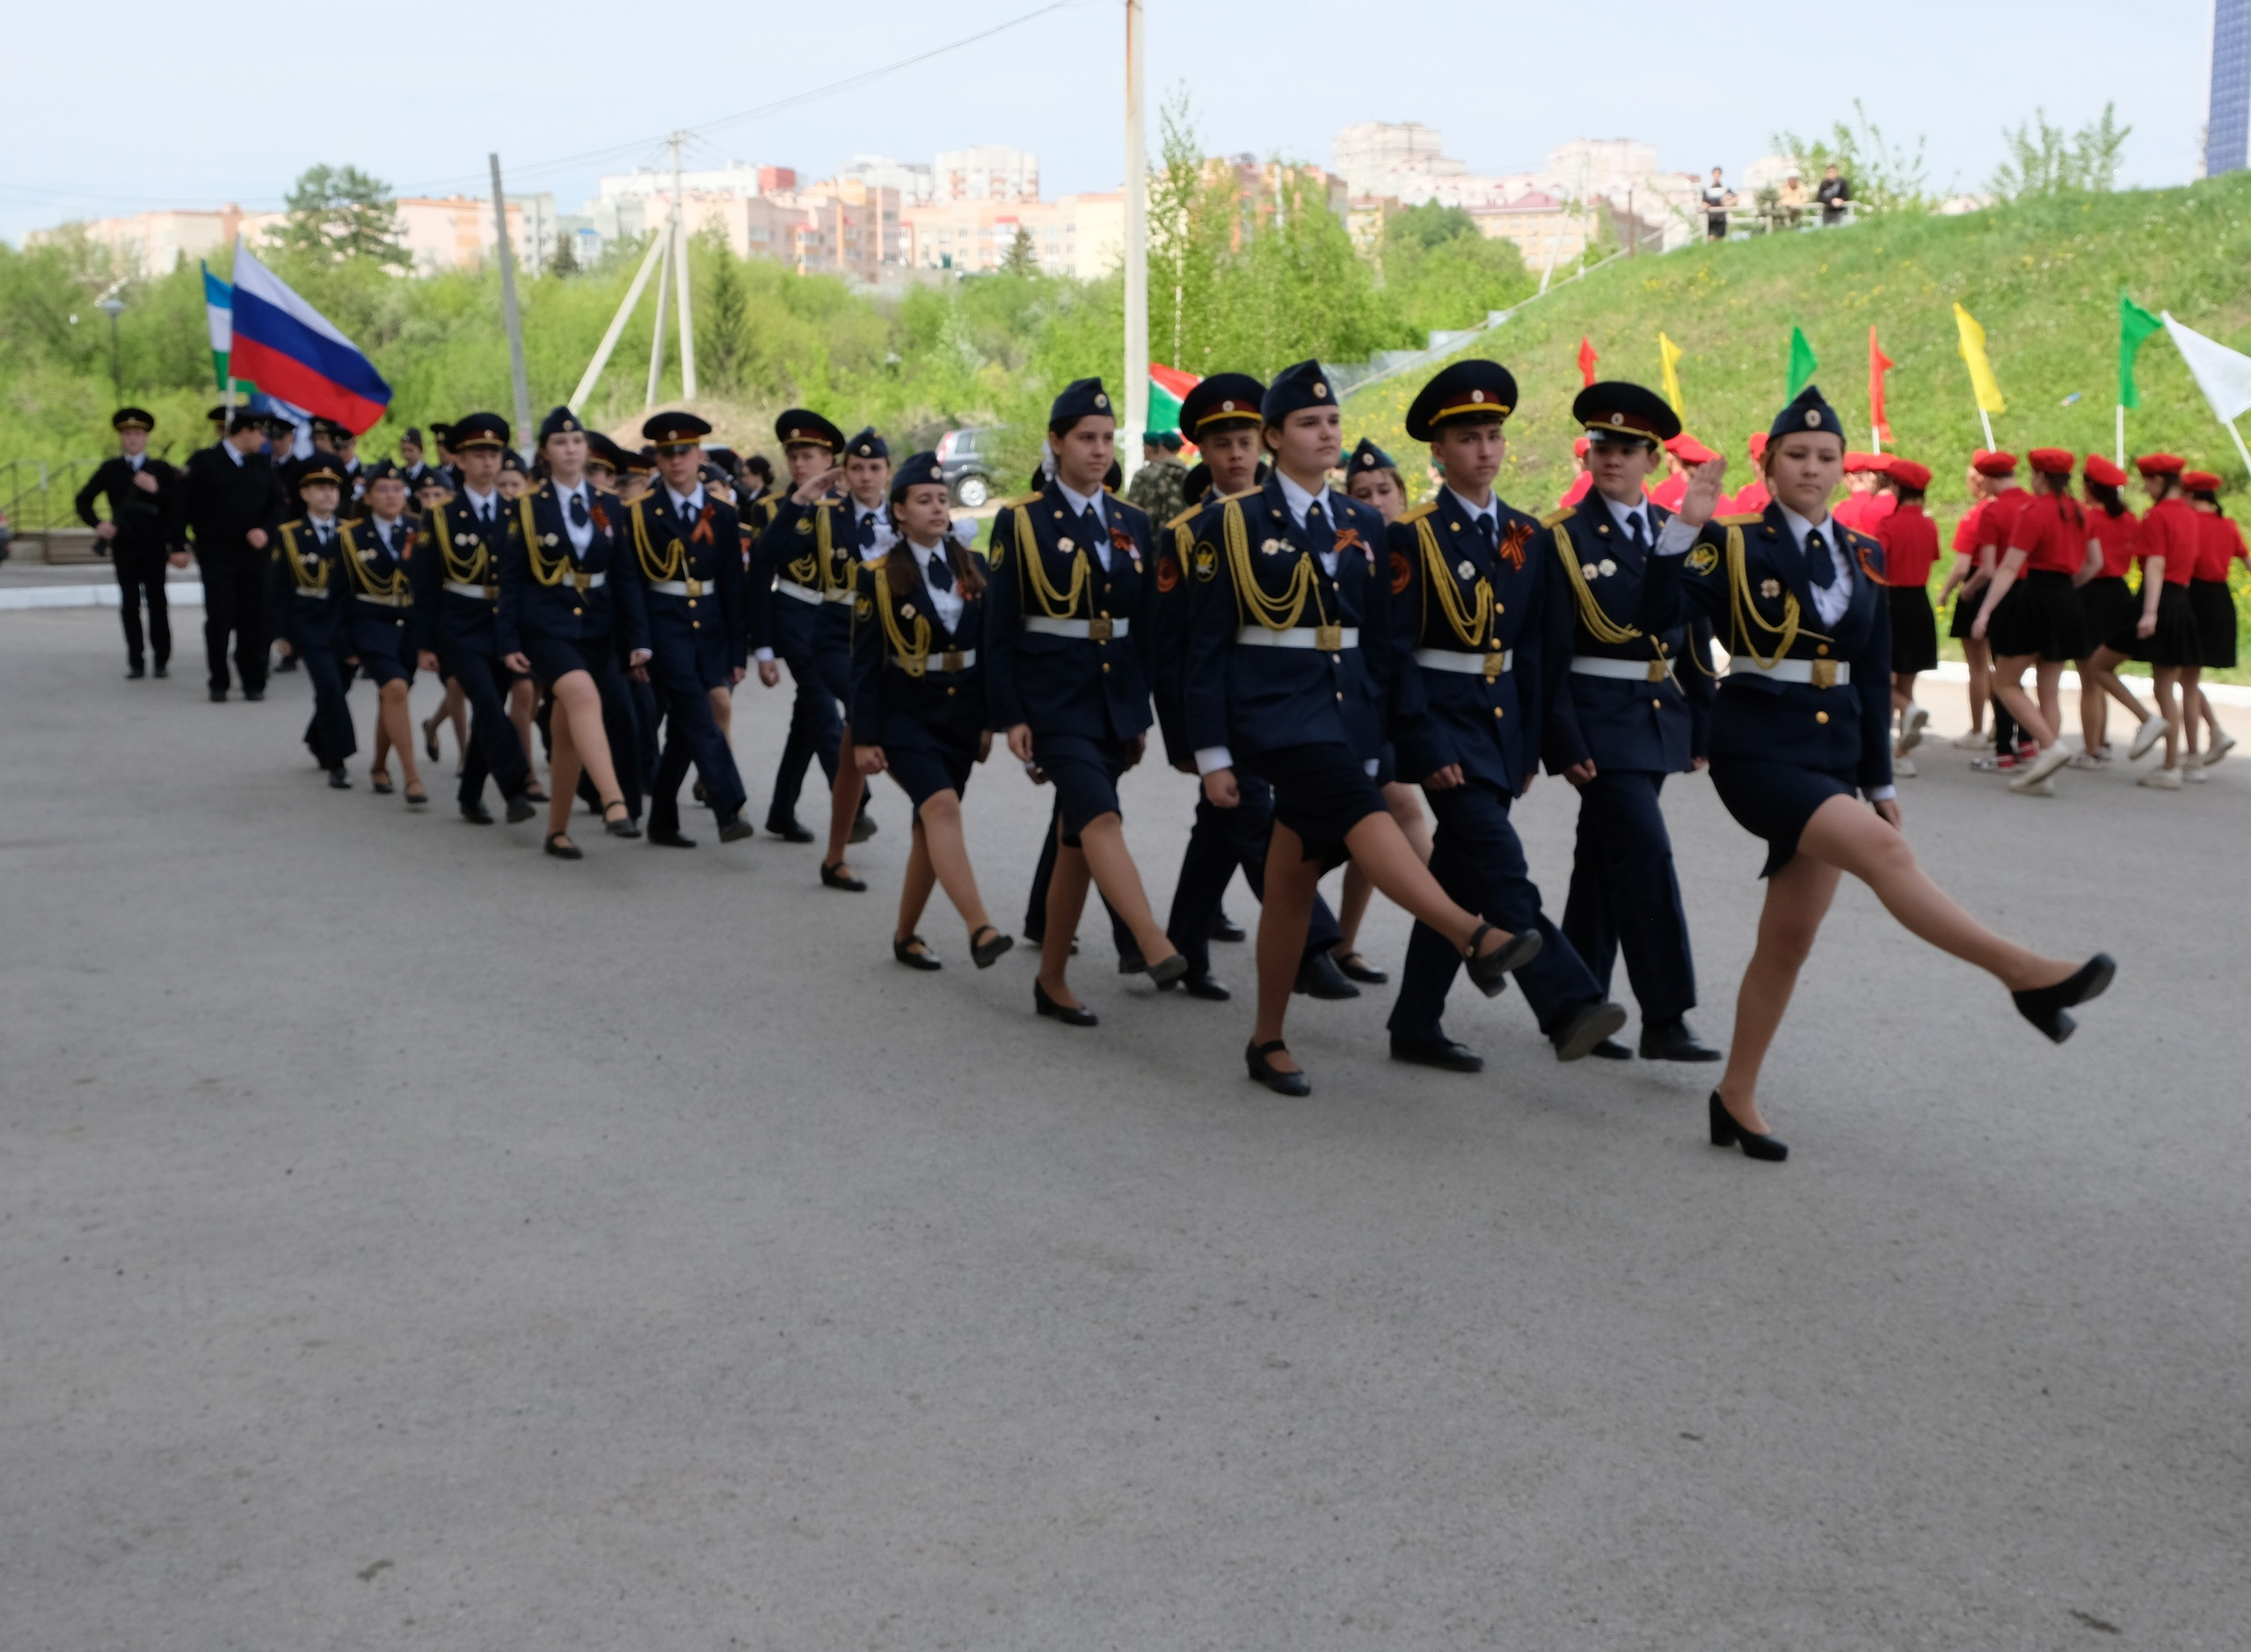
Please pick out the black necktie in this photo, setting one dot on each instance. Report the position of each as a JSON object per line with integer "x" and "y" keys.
{"x": 578, "y": 510}
{"x": 1319, "y": 533}
{"x": 484, "y": 514}
{"x": 941, "y": 576}
{"x": 1819, "y": 568}
{"x": 868, "y": 531}
{"x": 1487, "y": 535}
{"x": 1634, "y": 534}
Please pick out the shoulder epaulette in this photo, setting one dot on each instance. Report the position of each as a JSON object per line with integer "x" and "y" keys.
{"x": 1184, "y": 518}
{"x": 1740, "y": 519}
{"x": 1017, "y": 502}
{"x": 1229, "y": 498}
{"x": 1416, "y": 514}
{"x": 1563, "y": 515}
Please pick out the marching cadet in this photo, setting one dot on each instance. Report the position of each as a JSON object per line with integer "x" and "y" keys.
{"x": 281, "y": 437}
{"x": 230, "y": 499}
{"x": 2219, "y": 545}
{"x": 1222, "y": 414}
{"x": 456, "y": 602}
{"x": 1910, "y": 541}
{"x": 1289, "y": 677}
{"x": 307, "y": 585}
{"x": 570, "y": 617}
{"x": 138, "y": 534}
{"x": 918, "y": 699}
{"x": 2106, "y": 602}
{"x": 2164, "y": 631}
{"x": 372, "y": 626}
{"x": 2029, "y": 615}
{"x": 1481, "y": 635}
{"x": 687, "y": 549}
{"x": 863, "y": 516}
{"x": 801, "y": 594}
{"x": 1800, "y": 731}
{"x": 411, "y": 465}
{"x": 1066, "y": 640}
{"x": 1632, "y": 709}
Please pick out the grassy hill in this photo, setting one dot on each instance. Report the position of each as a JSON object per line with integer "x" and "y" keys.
{"x": 2042, "y": 277}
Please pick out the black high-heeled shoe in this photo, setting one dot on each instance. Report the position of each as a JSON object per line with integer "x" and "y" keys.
{"x": 623, "y": 827}
{"x": 1281, "y": 1083}
{"x": 836, "y": 877}
{"x": 1166, "y": 971}
{"x": 986, "y": 945}
{"x": 1489, "y": 973}
{"x": 905, "y": 952}
{"x": 1727, "y": 1133}
{"x": 562, "y": 851}
{"x": 2044, "y": 1006}
{"x": 1069, "y": 1015}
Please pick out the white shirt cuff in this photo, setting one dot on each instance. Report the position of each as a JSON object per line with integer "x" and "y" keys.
{"x": 1212, "y": 758}
{"x": 1371, "y": 765}
{"x": 766, "y": 653}
{"x": 1675, "y": 538}
{"x": 1882, "y": 794}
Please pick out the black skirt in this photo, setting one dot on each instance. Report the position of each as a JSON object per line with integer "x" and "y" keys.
{"x": 924, "y": 771}
{"x": 1774, "y": 800}
{"x": 1320, "y": 793}
{"x": 2174, "y": 643}
{"x": 1966, "y": 604}
{"x": 1084, "y": 774}
{"x": 554, "y": 658}
{"x": 2214, "y": 607}
{"x": 2040, "y": 617}
{"x": 1914, "y": 629}
{"x": 2107, "y": 608}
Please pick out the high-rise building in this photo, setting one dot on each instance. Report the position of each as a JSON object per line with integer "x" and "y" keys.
{"x": 991, "y": 171}
{"x": 2227, "y": 132}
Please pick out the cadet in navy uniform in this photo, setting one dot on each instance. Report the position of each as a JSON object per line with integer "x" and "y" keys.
{"x": 138, "y": 534}
{"x": 569, "y": 613}
{"x": 1481, "y": 633}
{"x": 1632, "y": 709}
{"x": 456, "y": 602}
{"x": 230, "y": 498}
{"x": 862, "y": 519}
{"x": 378, "y": 549}
{"x": 686, "y": 547}
{"x": 305, "y": 596}
{"x": 1067, "y": 639}
{"x": 800, "y": 596}
{"x": 918, "y": 699}
{"x": 1289, "y": 676}
{"x": 1220, "y": 415}
{"x": 1801, "y": 729}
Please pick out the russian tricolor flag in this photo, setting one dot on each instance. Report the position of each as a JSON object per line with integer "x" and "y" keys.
{"x": 293, "y": 353}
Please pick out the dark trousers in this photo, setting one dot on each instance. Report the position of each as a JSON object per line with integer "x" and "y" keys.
{"x": 816, "y": 727}
{"x": 1625, "y": 896}
{"x": 140, "y": 577}
{"x": 495, "y": 749}
{"x": 1035, "y": 906}
{"x": 330, "y": 737}
{"x": 691, "y": 735}
{"x": 233, "y": 605}
{"x": 1479, "y": 861}
{"x": 1221, "y": 841}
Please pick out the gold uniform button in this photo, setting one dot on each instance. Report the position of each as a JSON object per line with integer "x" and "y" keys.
{"x": 697, "y": 625}
{"x": 1500, "y": 607}
{"x": 1658, "y": 705}
{"x": 691, "y": 602}
{"x": 1821, "y": 648}
{"x": 1105, "y": 665}
{"x": 577, "y": 610}
{"x": 1498, "y": 712}
{"x": 1821, "y": 716}
{"x": 949, "y": 694}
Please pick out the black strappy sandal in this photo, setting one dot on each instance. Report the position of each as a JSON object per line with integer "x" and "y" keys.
{"x": 1273, "y": 1078}
{"x": 563, "y": 850}
{"x": 982, "y": 952}
{"x": 905, "y": 952}
{"x": 1489, "y": 972}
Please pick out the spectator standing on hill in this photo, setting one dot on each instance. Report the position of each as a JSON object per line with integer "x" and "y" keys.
{"x": 1792, "y": 201}
{"x": 1835, "y": 195}
{"x": 1718, "y": 199}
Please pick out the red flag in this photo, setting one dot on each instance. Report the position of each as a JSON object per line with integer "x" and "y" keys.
{"x": 1878, "y": 365}
{"x": 1586, "y": 359}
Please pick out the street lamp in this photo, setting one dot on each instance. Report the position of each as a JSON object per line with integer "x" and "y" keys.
{"x": 113, "y": 307}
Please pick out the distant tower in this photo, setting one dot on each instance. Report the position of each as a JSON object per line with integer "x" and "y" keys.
{"x": 2229, "y": 128}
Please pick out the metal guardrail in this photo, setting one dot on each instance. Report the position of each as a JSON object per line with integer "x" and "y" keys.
{"x": 1351, "y": 376}
{"x": 39, "y": 497}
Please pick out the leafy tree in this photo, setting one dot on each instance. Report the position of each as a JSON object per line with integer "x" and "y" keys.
{"x": 565, "y": 261}
{"x": 2043, "y": 161}
{"x": 1441, "y": 272}
{"x": 1022, "y": 257}
{"x": 339, "y": 213}
{"x": 724, "y": 318}
{"x": 1884, "y": 177}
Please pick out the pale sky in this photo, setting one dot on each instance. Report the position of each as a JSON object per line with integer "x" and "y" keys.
{"x": 177, "y": 105}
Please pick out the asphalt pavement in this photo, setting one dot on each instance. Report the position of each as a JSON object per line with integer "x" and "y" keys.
{"x": 411, "y": 1241}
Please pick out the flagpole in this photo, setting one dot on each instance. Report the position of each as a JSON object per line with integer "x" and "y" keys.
{"x": 512, "y": 315}
{"x": 1134, "y": 406}
{"x": 1987, "y": 420}
{"x": 2241, "y": 452}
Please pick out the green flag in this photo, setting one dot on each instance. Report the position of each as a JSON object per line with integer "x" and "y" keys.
{"x": 2135, "y": 324}
{"x": 1803, "y": 363}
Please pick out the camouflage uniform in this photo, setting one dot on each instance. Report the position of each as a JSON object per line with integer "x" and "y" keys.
{"x": 1156, "y": 489}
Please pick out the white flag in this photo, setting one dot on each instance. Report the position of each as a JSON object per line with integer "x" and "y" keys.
{"x": 2223, "y": 374}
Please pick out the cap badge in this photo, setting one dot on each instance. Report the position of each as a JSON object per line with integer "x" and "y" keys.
{"x": 1227, "y": 407}
{"x": 1319, "y": 389}
{"x": 1617, "y": 418}
{"x": 1813, "y": 418}
{"x": 1476, "y": 396}
{"x": 1100, "y": 400}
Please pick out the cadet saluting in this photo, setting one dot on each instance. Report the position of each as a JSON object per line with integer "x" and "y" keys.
{"x": 305, "y": 596}
{"x": 1802, "y": 724}
{"x": 1481, "y": 636}
{"x": 138, "y": 534}
{"x": 1632, "y": 709}
{"x": 1066, "y": 640}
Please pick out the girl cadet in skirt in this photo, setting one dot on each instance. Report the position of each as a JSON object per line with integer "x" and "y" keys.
{"x": 1289, "y": 675}
{"x": 2030, "y": 615}
{"x": 305, "y": 591}
{"x": 2165, "y": 635}
{"x": 1068, "y": 635}
{"x": 2107, "y": 608}
{"x": 376, "y": 550}
{"x": 918, "y": 699}
{"x": 1910, "y": 541}
{"x": 1799, "y": 728}
{"x": 570, "y": 610}
{"x": 2219, "y": 543}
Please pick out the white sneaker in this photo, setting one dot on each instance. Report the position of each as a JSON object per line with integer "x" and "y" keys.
{"x": 2152, "y": 731}
{"x": 1918, "y": 720}
{"x": 2162, "y": 780}
{"x": 2041, "y": 768}
{"x": 2025, "y": 786}
{"x": 1902, "y": 768}
{"x": 2197, "y": 776}
{"x": 2085, "y": 760}
{"x": 1978, "y": 739}
{"x": 2226, "y": 745}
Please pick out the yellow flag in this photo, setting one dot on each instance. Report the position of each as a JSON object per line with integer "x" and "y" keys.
{"x": 1669, "y": 353}
{"x": 1983, "y": 384}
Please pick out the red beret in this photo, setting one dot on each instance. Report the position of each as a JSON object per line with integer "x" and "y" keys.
{"x": 2053, "y": 462}
{"x": 1994, "y": 464}
{"x": 2100, "y": 470}
{"x": 2161, "y": 464}
{"x": 1916, "y": 478}
{"x": 2200, "y": 481}
{"x": 1758, "y": 444}
{"x": 1579, "y": 447}
{"x": 1856, "y": 462}
{"x": 1688, "y": 450}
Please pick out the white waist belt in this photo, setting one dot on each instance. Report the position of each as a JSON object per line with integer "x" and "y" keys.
{"x": 796, "y": 592}
{"x": 1098, "y": 630}
{"x": 322, "y": 593}
{"x": 1486, "y": 665}
{"x": 1822, "y": 674}
{"x": 594, "y": 581}
{"x": 387, "y": 602}
{"x": 475, "y": 592}
{"x": 1623, "y": 670}
{"x": 938, "y": 659}
{"x": 678, "y": 589}
{"x": 1328, "y": 639}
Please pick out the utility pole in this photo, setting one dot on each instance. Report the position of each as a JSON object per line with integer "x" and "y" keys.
{"x": 680, "y": 273}
{"x": 520, "y": 381}
{"x": 657, "y": 335}
{"x": 1136, "y": 417}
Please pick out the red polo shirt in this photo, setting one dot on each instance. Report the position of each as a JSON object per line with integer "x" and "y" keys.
{"x": 2051, "y": 532}
{"x": 2116, "y": 535}
{"x": 1910, "y": 541}
{"x": 2170, "y": 531}
{"x": 2219, "y": 543}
